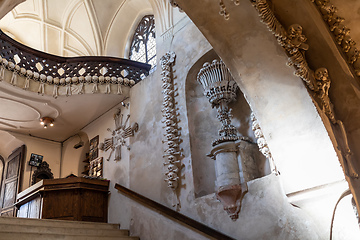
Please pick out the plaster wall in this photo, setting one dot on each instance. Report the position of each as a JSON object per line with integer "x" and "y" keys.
{"x": 141, "y": 169}
{"x": 284, "y": 110}
{"x": 49, "y": 149}
{"x": 115, "y": 171}
{"x": 72, "y": 159}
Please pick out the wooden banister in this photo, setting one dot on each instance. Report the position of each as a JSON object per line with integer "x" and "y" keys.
{"x": 173, "y": 214}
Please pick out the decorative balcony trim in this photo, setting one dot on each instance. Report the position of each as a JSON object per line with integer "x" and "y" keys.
{"x": 66, "y": 74}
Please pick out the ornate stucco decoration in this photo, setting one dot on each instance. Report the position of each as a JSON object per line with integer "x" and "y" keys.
{"x": 340, "y": 32}
{"x": 262, "y": 143}
{"x": 172, "y": 152}
{"x": 221, "y": 89}
{"x": 123, "y": 130}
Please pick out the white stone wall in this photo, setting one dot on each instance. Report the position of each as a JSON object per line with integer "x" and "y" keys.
{"x": 51, "y": 151}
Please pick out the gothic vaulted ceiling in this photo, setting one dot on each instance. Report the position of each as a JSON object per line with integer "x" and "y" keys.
{"x": 66, "y": 28}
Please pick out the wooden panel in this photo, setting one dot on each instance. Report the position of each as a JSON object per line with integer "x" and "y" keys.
{"x": 9, "y": 194}
{"x": 13, "y": 167}
{"x": 8, "y": 213}
{"x": 23, "y": 211}
{"x": 76, "y": 199}
{"x": 10, "y": 183}
{"x": 34, "y": 208}
{"x": 60, "y": 204}
{"x": 94, "y": 206}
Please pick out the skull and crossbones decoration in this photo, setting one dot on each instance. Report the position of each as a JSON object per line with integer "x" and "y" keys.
{"x": 119, "y": 135}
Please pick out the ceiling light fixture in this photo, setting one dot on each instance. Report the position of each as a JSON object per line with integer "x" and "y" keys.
{"x": 47, "y": 121}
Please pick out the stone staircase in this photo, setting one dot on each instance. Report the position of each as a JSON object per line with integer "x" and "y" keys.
{"x": 46, "y": 229}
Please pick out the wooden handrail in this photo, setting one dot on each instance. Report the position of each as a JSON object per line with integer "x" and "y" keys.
{"x": 173, "y": 214}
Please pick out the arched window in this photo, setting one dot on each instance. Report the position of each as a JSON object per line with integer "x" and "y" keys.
{"x": 143, "y": 44}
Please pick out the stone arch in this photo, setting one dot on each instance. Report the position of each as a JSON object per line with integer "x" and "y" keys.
{"x": 8, "y": 143}
{"x": 74, "y": 154}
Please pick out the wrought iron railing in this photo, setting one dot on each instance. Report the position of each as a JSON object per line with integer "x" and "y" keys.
{"x": 61, "y": 71}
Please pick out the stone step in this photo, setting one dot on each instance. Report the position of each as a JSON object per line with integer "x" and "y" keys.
{"x": 62, "y": 230}
{"x": 56, "y": 223}
{"x": 40, "y": 236}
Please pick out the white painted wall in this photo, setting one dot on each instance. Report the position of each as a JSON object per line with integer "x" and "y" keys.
{"x": 49, "y": 149}
{"x": 72, "y": 159}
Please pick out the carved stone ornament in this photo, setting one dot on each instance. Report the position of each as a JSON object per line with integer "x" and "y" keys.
{"x": 171, "y": 141}
{"x": 123, "y": 130}
{"x": 42, "y": 172}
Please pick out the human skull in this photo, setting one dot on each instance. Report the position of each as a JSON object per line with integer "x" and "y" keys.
{"x": 321, "y": 74}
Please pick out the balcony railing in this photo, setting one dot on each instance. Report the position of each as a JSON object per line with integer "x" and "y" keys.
{"x": 70, "y": 72}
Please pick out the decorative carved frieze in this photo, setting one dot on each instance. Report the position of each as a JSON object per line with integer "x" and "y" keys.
{"x": 123, "y": 130}
{"x": 172, "y": 152}
{"x": 340, "y": 31}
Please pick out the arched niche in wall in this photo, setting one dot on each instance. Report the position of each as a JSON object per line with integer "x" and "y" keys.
{"x": 204, "y": 126}
{"x": 74, "y": 155}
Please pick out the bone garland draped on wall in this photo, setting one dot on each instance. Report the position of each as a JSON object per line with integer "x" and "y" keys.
{"x": 318, "y": 82}
{"x": 340, "y": 32}
{"x": 119, "y": 135}
{"x": 262, "y": 143}
{"x": 37, "y": 71}
{"x": 171, "y": 141}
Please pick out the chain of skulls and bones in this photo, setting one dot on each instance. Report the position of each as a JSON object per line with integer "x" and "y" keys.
{"x": 171, "y": 140}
